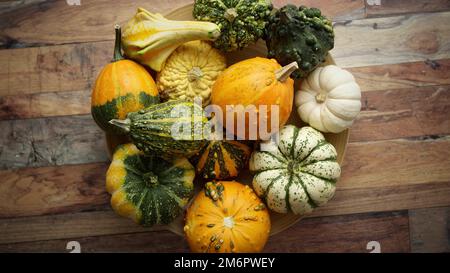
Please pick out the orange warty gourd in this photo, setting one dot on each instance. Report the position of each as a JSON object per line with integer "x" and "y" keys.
{"x": 254, "y": 82}
{"x": 122, "y": 86}
{"x": 227, "y": 217}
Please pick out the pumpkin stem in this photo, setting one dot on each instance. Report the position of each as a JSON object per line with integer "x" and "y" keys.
{"x": 230, "y": 14}
{"x": 194, "y": 74}
{"x": 321, "y": 97}
{"x": 122, "y": 124}
{"x": 283, "y": 73}
{"x": 150, "y": 179}
{"x": 118, "y": 44}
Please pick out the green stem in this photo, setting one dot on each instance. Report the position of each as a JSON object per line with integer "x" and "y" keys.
{"x": 123, "y": 124}
{"x": 118, "y": 45}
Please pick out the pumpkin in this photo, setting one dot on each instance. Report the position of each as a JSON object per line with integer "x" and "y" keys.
{"x": 227, "y": 217}
{"x": 329, "y": 99}
{"x": 150, "y": 38}
{"x": 221, "y": 159}
{"x": 169, "y": 129}
{"x": 298, "y": 174}
{"x": 190, "y": 72}
{"x": 149, "y": 190}
{"x": 122, "y": 86}
{"x": 245, "y": 87}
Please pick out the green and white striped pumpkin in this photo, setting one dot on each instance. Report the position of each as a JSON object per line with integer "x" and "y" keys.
{"x": 149, "y": 190}
{"x": 152, "y": 129}
{"x": 298, "y": 174}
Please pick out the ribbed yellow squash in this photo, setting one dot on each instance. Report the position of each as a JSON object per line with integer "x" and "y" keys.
{"x": 190, "y": 72}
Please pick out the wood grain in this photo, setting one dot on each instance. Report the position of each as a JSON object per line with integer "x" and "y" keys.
{"x": 396, "y": 163}
{"x": 389, "y": 40}
{"x": 349, "y": 233}
{"x": 45, "y": 105}
{"x": 52, "y": 68}
{"x": 389, "y": 7}
{"x": 55, "y": 22}
{"x": 430, "y": 230}
{"x": 48, "y": 190}
{"x": 51, "y": 141}
{"x": 403, "y": 113}
{"x": 388, "y": 198}
{"x": 32, "y": 103}
{"x": 377, "y": 176}
{"x": 402, "y": 75}
{"x": 74, "y": 67}
{"x": 70, "y": 225}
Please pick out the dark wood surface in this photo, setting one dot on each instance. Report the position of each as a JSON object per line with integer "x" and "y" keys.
{"x": 395, "y": 187}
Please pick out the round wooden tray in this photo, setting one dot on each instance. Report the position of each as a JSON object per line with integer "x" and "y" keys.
{"x": 279, "y": 221}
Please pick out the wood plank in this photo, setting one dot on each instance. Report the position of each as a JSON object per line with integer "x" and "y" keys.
{"x": 37, "y": 25}
{"x": 430, "y": 230}
{"x": 48, "y": 190}
{"x": 395, "y": 163}
{"x": 403, "y": 113}
{"x": 373, "y": 78}
{"x": 390, "y": 7}
{"x": 327, "y": 234}
{"x": 74, "y": 67}
{"x": 402, "y": 75}
{"x": 389, "y": 40}
{"x": 52, "y": 68}
{"x": 349, "y": 233}
{"x": 11, "y": 5}
{"x": 72, "y": 225}
{"x": 360, "y": 200}
{"x": 45, "y": 105}
{"x": 51, "y": 141}
{"x": 377, "y": 176}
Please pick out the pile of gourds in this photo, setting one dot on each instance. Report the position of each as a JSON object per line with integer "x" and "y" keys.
{"x": 151, "y": 176}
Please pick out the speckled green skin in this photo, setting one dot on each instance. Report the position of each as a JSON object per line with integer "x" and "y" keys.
{"x": 161, "y": 200}
{"x": 151, "y": 130}
{"x": 237, "y": 33}
{"x": 299, "y": 34}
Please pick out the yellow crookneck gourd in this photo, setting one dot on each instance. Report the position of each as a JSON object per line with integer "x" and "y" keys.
{"x": 149, "y": 38}
{"x": 190, "y": 72}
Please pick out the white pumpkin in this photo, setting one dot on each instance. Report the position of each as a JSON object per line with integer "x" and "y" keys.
{"x": 297, "y": 174}
{"x": 329, "y": 99}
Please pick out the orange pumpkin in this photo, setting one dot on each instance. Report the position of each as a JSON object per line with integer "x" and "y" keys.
{"x": 122, "y": 86}
{"x": 227, "y": 217}
{"x": 254, "y": 82}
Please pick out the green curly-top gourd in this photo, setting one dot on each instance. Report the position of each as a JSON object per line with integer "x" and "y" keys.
{"x": 241, "y": 22}
{"x": 299, "y": 34}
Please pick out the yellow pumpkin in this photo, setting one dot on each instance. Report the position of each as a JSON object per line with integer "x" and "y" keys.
{"x": 122, "y": 86}
{"x": 254, "y": 82}
{"x": 227, "y": 217}
{"x": 190, "y": 72}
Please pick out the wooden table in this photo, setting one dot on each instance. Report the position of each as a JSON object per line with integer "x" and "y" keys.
{"x": 395, "y": 187}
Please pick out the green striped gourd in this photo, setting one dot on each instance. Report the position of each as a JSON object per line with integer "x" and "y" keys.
{"x": 169, "y": 129}
{"x": 298, "y": 174}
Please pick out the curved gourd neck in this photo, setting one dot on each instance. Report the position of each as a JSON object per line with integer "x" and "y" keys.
{"x": 285, "y": 72}
{"x": 118, "y": 45}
